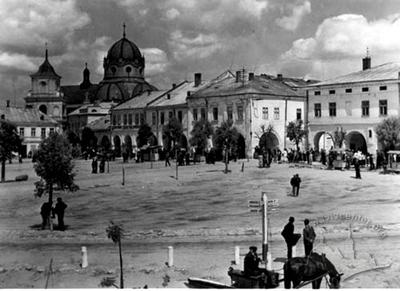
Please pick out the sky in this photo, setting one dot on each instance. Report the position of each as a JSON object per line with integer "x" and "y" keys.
{"x": 310, "y": 39}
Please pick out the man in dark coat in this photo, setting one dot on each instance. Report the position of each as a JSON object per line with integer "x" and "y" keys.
{"x": 59, "y": 210}
{"x": 45, "y": 212}
{"x": 251, "y": 262}
{"x": 308, "y": 237}
{"x": 94, "y": 165}
{"x": 357, "y": 168}
{"x": 295, "y": 182}
{"x": 290, "y": 237}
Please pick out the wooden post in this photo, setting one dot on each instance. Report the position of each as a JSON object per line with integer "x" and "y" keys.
{"x": 176, "y": 159}
{"x": 242, "y": 166}
{"x": 170, "y": 256}
{"x": 237, "y": 255}
{"x": 108, "y": 166}
{"x": 269, "y": 262}
{"x": 84, "y": 262}
{"x": 123, "y": 176}
{"x": 264, "y": 200}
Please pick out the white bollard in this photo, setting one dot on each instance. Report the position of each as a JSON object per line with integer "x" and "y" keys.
{"x": 170, "y": 256}
{"x": 237, "y": 255}
{"x": 294, "y": 253}
{"x": 269, "y": 261}
{"x": 84, "y": 263}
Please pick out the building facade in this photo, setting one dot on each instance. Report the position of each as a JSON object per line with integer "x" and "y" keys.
{"x": 354, "y": 103}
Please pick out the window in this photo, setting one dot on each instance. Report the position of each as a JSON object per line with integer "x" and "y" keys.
{"x": 142, "y": 120}
{"x": 153, "y": 118}
{"x": 170, "y": 114}
{"x": 370, "y": 133}
{"x": 180, "y": 116}
{"x": 22, "y": 131}
{"x": 162, "y": 117}
{"x": 276, "y": 113}
{"x": 347, "y": 107}
{"x": 215, "y": 113}
{"x": 195, "y": 117}
{"x": 137, "y": 119}
{"x": 331, "y": 92}
{"x": 265, "y": 113}
{"x": 229, "y": 110}
{"x": 128, "y": 69}
{"x": 125, "y": 119}
{"x": 382, "y": 88}
{"x": 332, "y": 108}
{"x": 119, "y": 119}
{"x": 317, "y": 110}
{"x": 130, "y": 118}
{"x": 33, "y": 132}
{"x": 240, "y": 112}
{"x": 298, "y": 113}
{"x": 349, "y": 90}
{"x": 364, "y": 89}
{"x": 43, "y": 132}
{"x": 365, "y": 108}
{"x": 51, "y": 130}
{"x": 317, "y": 93}
{"x": 383, "y": 107}
{"x": 203, "y": 113}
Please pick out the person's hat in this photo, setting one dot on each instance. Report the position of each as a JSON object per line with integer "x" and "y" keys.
{"x": 253, "y": 248}
{"x": 291, "y": 219}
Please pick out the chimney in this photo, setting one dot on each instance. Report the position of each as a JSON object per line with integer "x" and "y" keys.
{"x": 8, "y": 103}
{"x": 279, "y": 77}
{"x": 366, "y": 63}
{"x": 188, "y": 93}
{"x": 173, "y": 86}
{"x": 238, "y": 75}
{"x": 197, "y": 79}
{"x": 251, "y": 76}
{"x": 168, "y": 96}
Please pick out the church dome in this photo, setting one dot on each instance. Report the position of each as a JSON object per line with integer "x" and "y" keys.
{"x": 125, "y": 50}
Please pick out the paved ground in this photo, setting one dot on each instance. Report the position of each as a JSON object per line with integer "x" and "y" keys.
{"x": 203, "y": 215}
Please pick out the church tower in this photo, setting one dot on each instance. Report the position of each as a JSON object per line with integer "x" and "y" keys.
{"x": 45, "y": 94}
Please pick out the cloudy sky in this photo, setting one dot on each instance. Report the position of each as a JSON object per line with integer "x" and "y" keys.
{"x": 317, "y": 39}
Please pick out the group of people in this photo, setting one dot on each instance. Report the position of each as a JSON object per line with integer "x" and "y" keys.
{"x": 251, "y": 261}
{"x": 98, "y": 166}
{"x": 47, "y": 211}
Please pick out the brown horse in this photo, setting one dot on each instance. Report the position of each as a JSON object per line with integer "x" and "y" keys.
{"x": 312, "y": 268}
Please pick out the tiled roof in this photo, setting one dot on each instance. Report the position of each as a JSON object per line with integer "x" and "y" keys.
{"x": 26, "y": 116}
{"x": 226, "y": 85}
{"x": 73, "y": 94}
{"x": 141, "y": 101}
{"x": 101, "y": 108}
{"x": 103, "y": 123}
{"x": 388, "y": 71}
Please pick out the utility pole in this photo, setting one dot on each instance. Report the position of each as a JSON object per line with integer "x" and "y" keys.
{"x": 264, "y": 201}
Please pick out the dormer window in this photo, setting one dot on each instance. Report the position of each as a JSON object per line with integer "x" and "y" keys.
{"x": 128, "y": 70}
{"x": 43, "y": 83}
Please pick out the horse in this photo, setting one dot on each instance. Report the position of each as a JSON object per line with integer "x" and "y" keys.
{"x": 312, "y": 268}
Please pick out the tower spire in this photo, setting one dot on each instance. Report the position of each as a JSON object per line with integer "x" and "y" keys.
{"x": 124, "y": 26}
{"x": 46, "y": 53}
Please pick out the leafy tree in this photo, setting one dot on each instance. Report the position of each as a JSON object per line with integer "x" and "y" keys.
{"x": 10, "y": 142}
{"x": 54, "y": 166}
{"x": 172, "y": 133}
{"x": 338, "y": 137}
{"x": 88, "y": 140}
{"x": 296, "y": 132}
{"x": 201, "y": 132}
{"x": 388, "y": 133}
{"x": 263, "y": 136}
{"x": 226, "y": 138}
{"x": 73, "y": 138}
{"x": 115, "y": 233}
{"x": 145, "y": 135}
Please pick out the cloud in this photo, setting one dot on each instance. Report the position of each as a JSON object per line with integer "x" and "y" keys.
{"x": 17, "y": 61}
{"x": 344, "y": 39}
{"x": 156, "y": 61}
{"x": 172, "y": 13}
{"x": 292, "y": 21}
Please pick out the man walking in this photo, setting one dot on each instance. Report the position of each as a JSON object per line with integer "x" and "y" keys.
{"x": 295, "y": 182}
{"x": 308, "y": 237}
{"x": 59, "y": 211}
{"x": 290, "y": 237}
{"x": 167, "y": 163}
{"x": 357, "y": 168}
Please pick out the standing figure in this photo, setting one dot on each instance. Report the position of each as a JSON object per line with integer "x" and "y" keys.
{"x": 295, "y": 182}
{"x": 251, "y": 262}
{"x": 167, "y": 163}
{"x": 94, "y": 165}
{"x": 357, "y": 168}
{"x": 45, "y": 212}
{"x": 308, "y": 237}
{"x": 59, "y": 211}
{"x": 290, "y": 237}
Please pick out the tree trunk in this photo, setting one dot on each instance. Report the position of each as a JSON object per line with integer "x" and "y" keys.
{"x": 3, "y": 170}
{"x": 120, "y": 265}
{"x": 50, "y": 220}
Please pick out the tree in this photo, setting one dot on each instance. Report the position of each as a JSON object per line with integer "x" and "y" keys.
{"x": 115, "y": 233}
{"x": 88, "y": 140}
{"x": 388, "y": 133}
{"x": 172, "y": 133}
{"x": 266, "y": 132}
{"x": 201, "y": 132}
{"x": 54, "y": 166}
{"x": 144, "y": 135}
{"x": 225, "y": 139}
{"x": 338, "y": 137}
{"x": 295, "y": 132}
{"x": 10, "y": 142}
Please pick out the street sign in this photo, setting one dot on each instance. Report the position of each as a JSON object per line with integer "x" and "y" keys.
{"x": 254, "y": 203}
{"x": 273, "y": 203}
{"x": 255, "y": 210}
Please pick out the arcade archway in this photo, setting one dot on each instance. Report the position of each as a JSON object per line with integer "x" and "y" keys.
{"x": 117, "y": 146}
{"x": 268, "y": 141}
{"x": 355, "y": 141}
{"x": 105, "y": 143}
{"x": 128, "y": 144}
{"x": 241, "y": 147}
{"x": 323, "y": 140}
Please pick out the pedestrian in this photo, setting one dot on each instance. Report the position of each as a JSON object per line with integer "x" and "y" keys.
{"x": 290, "y": 237}
{"x": 251, "y": 261}
{"x": 59, "y": 210}
{"x": 308, "y": 237}
{"x": 295, "y": 182}
{"x": 167, "y": 163}
{"x": 94, "y": 165}
{"x": 357, "y": 168}
{"x": 45, "y": 212}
